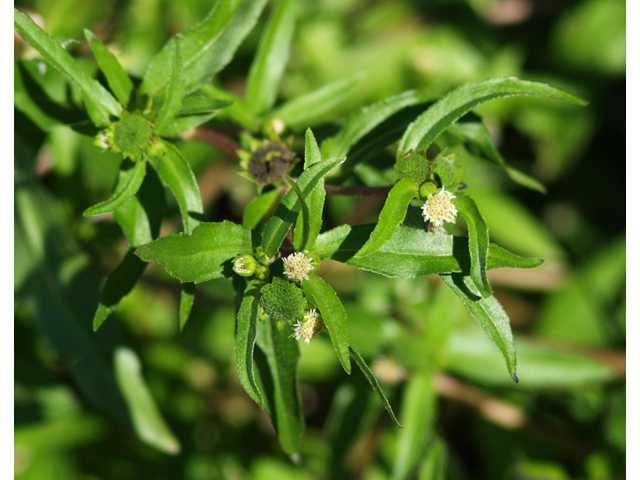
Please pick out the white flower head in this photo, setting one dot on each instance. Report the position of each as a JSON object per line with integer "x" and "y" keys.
{"x": 439, "y": 209}
{"x": 297, "y": 266}
{"x": 310, "y": 328}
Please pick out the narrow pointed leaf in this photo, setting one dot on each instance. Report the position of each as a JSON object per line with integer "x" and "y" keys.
{"x": 434, "y": 464}
{"x": 271, "y": 58}
{"x": 333, "y": 315}
{"x": 147, "y": 419}
{"x": 239, "y": 111}
{"x": 203, "y": 255}
{"x": 246, "y": 330}
{"x": 257, "y": 211}
{"x": 287, "y": 212}
{"x": 361, "y": 122}
{"x": 373, "y": 382}
{"x": 391, "y": 216}
{"x": 303, "y": 111}
{"x": 200, "y": 104}
{"x": 424, "y": 130}
{"x": 478, "y": 241}
{"x": 175, "y": 91}
{"x": 417, "y": 413}
{"x": 180, "y": 125}
{"x": 276, "y": 360}
{"x": 411, "y": 252}
{"x": 139, "y": 217}
{"x": 60, "y": 59}
{"x": 476, "y": 135}
{"x": 315, "y": 201}
{"x": 489, "y": 314}
{"x": 176, "y": 173}
{"x": 129, "y": 188}
{"x": 303, "y": 218}
{"x": 117, "y": 77}
{"x": 187, "y": 296}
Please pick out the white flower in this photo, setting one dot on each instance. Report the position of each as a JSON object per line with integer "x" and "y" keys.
{"x": 439, "y": 209}
{"x": 310, "y": 328}
{"x": 297, "y": 266}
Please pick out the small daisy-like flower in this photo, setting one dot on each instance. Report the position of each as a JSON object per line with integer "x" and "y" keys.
{"x": 297, "y": 266}
{"x": 310, "y": 328}
{"x": 439, "y": 209}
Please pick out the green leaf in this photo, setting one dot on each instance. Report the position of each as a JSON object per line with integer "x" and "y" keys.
{"x": 362, "y": 121}
{"x": 246, "y": 329}
{"x": 271, "y": 58}
{"x": 303, "y": 218}
{"x": 373, "y": 382}
{"x": 455, "y": 104}
{"x": 539, "y": 367}
{"x": 199, "y": 104}
{"x": 282, "y": 300}
{"x": 434, "y": 464}
{"x": 207, "y": 47}
{"x": 489, "y": 314}
{"x": 333, "y": 315}
{"x": 276, "y": 360}
{"x": 239, "y": 111}
{"x": 179, "y": 125}
{"x": 187, "y": 297}
{"x": 303, "y": 111}
{"x": 476, "y": 135}
{"x": 175, "y": 91}
{"x": 287, "y": 212}
{"x": 478, "y": 241}
{"x": 117, "y": 77}
{"x": 135, "y": 176}
{"x": 59, "y": 58}
{"x": 176, "y": 173}
{"x": 203, "y": 255}
{"x": 147, "y": 420}
{"x": 418, "y": 413}
{"x": 257, "y": 211}
{"x": 410, "y": 252}
{"x": 139, "y": 217}
{"x": 391, "y": 216}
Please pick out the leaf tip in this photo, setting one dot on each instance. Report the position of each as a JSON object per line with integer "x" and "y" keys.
{"x": 514, "y": 377}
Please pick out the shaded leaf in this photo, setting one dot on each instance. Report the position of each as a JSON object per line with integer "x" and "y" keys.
{"x": 271, "y": 58}
{"x": 259, "y": 208}
{"x": 147, "y": 420}
{"x": 203, "y": 255}
{"x": 489, "y": 314}
{"x": 478, "y": 241}
{"x": 434, "y": 464}
{"x": 117, "y": 77}
{"x": 391, "y": 216}
{"x": 333, "y": 315}
{"x": 246, "y": 330}
{"x": 183, "y": 124}
{"x": 175, "y": 90}
{"x": 128, "y": 188}
{"x": 424, "y": 129}
{"x": 187, "y": 296}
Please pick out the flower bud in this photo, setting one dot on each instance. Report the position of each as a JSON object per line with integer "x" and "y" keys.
{"x": 245, "y": 266}
{"x": 427, "y": 188}
{"x": 263, "y": 272}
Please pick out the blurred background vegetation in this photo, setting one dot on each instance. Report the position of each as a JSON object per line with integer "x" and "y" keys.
{"x": 566, "y": 418}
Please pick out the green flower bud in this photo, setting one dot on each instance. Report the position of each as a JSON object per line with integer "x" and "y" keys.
{"x": 263, "y": 272}
{"x": 427, "y": 188}
{"x": 262, "y": 257}
{"x": 245, "y": 266}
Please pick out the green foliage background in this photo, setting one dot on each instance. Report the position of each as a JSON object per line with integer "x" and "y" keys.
{"x": 566, "y": 418}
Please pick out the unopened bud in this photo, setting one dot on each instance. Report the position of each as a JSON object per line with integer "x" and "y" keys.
{"x": 427, "y": 188}
{"x": 245, "y": 266}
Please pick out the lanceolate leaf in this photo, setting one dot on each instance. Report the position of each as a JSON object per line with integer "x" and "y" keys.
{"x": 463, "y": 99}
{"x": 117, "y": 77}
{"x": 128, "y": 189}
{"x": 175, "y": 92}
{"x": 272, "y": 55}
{"x": 239, "y": 111}
{"x": 203, "y": 255}
{"x": 199, "y": 104}
{"x": 489, "y": 314}
{"x": 476, "y": 135}
{"x": 147, "y": 420}
{"x": 418, "y": 413}
{"x": 57, "y": 56}
{"x": 287, "y": 212}
{"x": 333, "y": 315}
{"x": 246, "y": 338}
{"x": 434, "y": 464}
{"x": 277, "y": 362}
{"x": 478, "y": 241}
{"x": 187, "y": 297}
{"x": 176, "y": 173}
{"x": 392, "y": 215}
{"x": 366, "y": 119}
{"x": 373, "y": 382}
{"x": 308, "y": 108}
{"x": 259, "y": 208}
{"x": 411, "y": 252}
{"x": 139, "y": 217}
{"x": 183, "y": 124}
{"x": 303, "y": 218}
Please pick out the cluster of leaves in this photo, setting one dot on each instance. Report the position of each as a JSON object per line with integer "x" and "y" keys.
{"x": 176, "y": 95}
